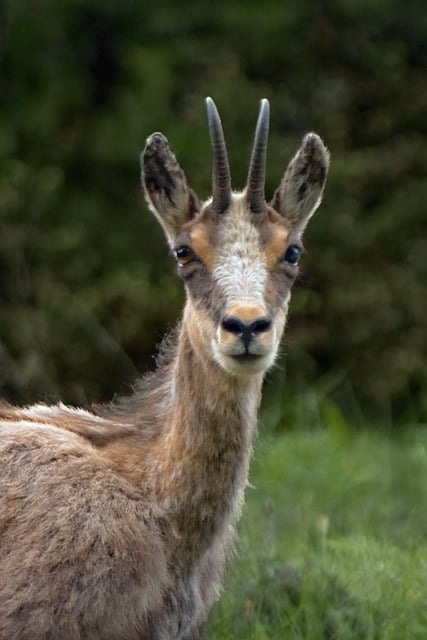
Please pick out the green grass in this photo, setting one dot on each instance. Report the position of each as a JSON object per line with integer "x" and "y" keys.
{"x": 333, "y": 541}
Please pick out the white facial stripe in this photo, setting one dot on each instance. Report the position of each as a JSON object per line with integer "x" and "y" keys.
{"x": 240, "y": 266}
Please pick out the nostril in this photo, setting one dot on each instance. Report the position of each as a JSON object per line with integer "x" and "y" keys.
{"x": 260, "y": 325}
{"x": 233, "y": 325}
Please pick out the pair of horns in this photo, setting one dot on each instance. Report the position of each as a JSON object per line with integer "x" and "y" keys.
{"x": 221, "y": 179}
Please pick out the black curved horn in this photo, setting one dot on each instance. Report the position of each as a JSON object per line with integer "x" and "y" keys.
{"x": 255, "y": 192}
{"x": 221, "y": 180}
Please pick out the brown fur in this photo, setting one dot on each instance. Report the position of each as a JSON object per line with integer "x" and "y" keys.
{"x": 115, "y": 523}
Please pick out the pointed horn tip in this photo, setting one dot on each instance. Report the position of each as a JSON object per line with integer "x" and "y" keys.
{"x": 264, "y": 113}
{"x": 213, "y": 114}
{"x": 210, "y": 105}
{"x": 256, "y": 176}
{"x": 221, "y": 180}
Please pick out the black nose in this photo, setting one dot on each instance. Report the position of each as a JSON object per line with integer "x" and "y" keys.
{"x": 246, "y": 330}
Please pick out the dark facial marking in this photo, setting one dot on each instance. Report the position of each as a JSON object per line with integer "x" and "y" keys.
{"x": 196, "y": 275}
{"x": 203, "y": 290}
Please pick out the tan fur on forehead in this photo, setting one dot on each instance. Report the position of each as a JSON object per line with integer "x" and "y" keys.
{"x": 202, "y": 244}
{"x": 273, "y": 234}
{"x": 210, "y": 231}
{"x": 275, "y": 248}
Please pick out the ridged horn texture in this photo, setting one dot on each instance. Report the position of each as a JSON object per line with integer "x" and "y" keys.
{"x": 255, "y": 192}
{"x": 221, "y": 180}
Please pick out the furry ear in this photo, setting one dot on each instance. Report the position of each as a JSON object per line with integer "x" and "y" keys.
{"x": 300, "y": 192}
{"x": 165, "y": 186}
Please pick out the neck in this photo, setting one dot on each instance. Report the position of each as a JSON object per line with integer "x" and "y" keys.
{"x": 195, "y": 459}
{"x": 209, "y": 432}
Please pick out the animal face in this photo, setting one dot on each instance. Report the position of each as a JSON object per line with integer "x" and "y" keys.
{"x": 237, "y": 255}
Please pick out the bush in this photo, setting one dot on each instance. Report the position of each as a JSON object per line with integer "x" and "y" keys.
{"x": 81, "y": 262}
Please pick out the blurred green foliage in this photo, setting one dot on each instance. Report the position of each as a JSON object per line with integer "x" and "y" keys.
{"x": 343, "y": 553}
{"x": 86, "y": 284}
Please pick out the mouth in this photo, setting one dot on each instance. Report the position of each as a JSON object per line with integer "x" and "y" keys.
{"x": 246, "y": 362}
{"x": 246, "y": 357}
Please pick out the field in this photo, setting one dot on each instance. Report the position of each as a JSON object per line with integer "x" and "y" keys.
{"x": 333, "y": 540}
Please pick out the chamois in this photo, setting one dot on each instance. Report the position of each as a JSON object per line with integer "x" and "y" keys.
{"x": 115, "y": 522}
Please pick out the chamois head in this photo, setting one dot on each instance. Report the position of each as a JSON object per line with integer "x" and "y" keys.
{"x": 238, "y": 255}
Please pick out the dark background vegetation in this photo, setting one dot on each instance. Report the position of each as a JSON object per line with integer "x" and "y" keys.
{"x": 86, "y": 284}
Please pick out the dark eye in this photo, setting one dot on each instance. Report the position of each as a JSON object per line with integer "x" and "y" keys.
{"x": 184, "y": 255}
{"x": 292, "y": 254}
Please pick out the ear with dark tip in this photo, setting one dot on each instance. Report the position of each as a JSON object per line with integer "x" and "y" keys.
{"x": 165, "y": 186}
{"x": 301, "y": 189}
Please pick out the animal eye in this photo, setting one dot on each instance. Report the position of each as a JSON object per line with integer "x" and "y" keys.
{"x": 292, "y": 254}
{"x": 184, "y": 255}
